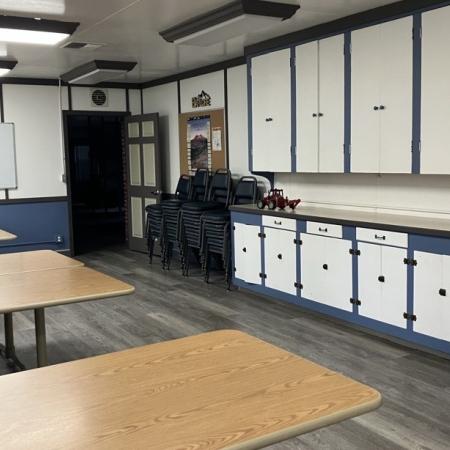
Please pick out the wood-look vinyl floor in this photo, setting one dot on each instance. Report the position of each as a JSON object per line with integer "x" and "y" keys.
{"x": 415, "y": 386}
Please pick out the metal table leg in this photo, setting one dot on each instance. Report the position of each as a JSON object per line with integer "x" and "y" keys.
{"x": 8, "y": 351}
{"x": 41, "y": 344}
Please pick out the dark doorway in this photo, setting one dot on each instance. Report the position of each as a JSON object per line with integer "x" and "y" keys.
{"x": 97, "y": 180}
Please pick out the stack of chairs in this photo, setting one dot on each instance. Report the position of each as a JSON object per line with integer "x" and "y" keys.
{"x": 198, "y": 189}
{"x": 153, "y": 228}
{"x": 215, "y": 228}
{"x": 191, "y": 213}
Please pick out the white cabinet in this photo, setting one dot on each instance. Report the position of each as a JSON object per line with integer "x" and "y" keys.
{"x": 382, "y": 68}
{"x": 280, "y": 260}
{"x": 320, "y": 85}
{"x": 326, "y": 271}
{"x": 271, "y": 111}
{"x": 435, "y": 134}
{"x": 432, "y": 295}
{"x": 382, "y": 283}
{"x": 247, "y": 253}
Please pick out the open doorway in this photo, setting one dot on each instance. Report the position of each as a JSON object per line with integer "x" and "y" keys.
{"x": 97, "y": 179}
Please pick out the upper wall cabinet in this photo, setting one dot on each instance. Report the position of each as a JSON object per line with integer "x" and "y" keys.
{"x": 381, "y": 90}
{"x": 320, "y": 105}
{"x": 271, "y": 111}
{"x": 435, "y": 135}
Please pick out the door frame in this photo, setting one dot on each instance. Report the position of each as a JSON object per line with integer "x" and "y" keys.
{"x": 66, "y": 176}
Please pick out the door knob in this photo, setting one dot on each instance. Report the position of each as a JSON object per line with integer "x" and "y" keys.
{"x": 325, "y": 267}
{"x": 381, "y": 279}
{"x": 244, "y": 250}
{"x": 280, "y": 256}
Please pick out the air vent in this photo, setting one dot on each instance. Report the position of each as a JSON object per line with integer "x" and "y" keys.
{"x": 99, "y": 97}
{"x": 82, "y": 45}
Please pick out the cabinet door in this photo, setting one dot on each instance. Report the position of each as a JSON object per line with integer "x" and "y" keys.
{"x": 271, "y": 111}
{"x": 307, "y": 78}
{"x": 338, "y": 281}
{"x": 312, "y": 258}
{"x": 396, "y": 96}
{"x": 366, "y": 69}
{"x": 280, "y": 256}
{"x": 247, "y": 253}
{"x": 331, "y": 104}
{"x": 432, "y": 295}
{"x": 435, "y": 139}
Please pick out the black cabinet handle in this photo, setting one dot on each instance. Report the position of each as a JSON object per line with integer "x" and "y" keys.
{"x": 325, "y": 267}
{"x": 320, "y": 114}
{"x": 380, "y": 238}
{"x": 381, "y": 279}
{"x": 323, "y": 230}
{"x": 244, "y": 250}
{"x": 280, "y": 256}
{"x": 278, "y": 223}
{"x": 443, "y": 292}
{"x": 314, "y": 115}
{"x": 376, "y": 108}
{"x": 382, "y": 107}
{"x": 269, "y": 119}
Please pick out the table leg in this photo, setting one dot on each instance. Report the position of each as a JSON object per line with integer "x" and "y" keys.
{"x": 41, "y": 344}
{"x": 8, "y": 351}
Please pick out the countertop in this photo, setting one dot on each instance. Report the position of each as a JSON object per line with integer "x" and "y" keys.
{"x": 393, "y": 222}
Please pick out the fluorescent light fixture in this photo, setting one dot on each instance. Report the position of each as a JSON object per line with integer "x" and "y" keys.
{"x": 96, "y": 71}
{"x": 26, "y": 30}
{"x": 229, "y": 21}
{"x": 6, "y": 66}
{"x": 34, "y": 6}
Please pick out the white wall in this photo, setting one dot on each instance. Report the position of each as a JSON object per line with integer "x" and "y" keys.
{"x": 35, "y": 110}
{"x": 81, "y": 99}
{"x": 164, "y": 100}
{"x": 134, "y": 98}
{"x": 212, "y": 83}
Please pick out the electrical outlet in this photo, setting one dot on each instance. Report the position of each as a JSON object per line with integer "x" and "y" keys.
{"x": 59, "y": 239}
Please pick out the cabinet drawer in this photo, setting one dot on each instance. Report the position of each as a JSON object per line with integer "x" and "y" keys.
{"x": 279, "y": 222}
{"x": 382, "y": 237}
{"x": 324, "y": 229}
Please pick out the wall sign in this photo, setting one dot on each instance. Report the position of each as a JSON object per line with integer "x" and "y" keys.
{"x": 202, "y": 100}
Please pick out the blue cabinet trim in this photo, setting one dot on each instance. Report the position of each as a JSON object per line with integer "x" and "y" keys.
{"x": 293, "y": 112}
{"x": 417, "y": 92}
{"x": 347, "y": 101}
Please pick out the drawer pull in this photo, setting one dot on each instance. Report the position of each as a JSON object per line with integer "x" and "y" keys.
{"x": 280, "y": 256}
{"x": 269, "y": 119}
{"x": 278, "y": 223}
{"x": 325, "y": 267}
{"x": 244, "y": 250}
{"x": 323, "y": 230}
{"x": 380, "y": 238}
{"x": 381, "y": 279}
{"x": 443, "y": 292}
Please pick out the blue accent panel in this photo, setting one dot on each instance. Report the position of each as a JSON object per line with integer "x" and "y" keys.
{"x": 410, "y": 289}
{"x": 301, "y": 226}
{"x": 249, "y": 219}
{"x": 430, "y": 244}
{"x": 249, "y": 112}
{"x": 417, "y": 91}
{"x": 293, "y": 113}
{"x": 349, "y": 233}
{"x": 263, "y": 256}
{"x": 36, "y": 225}
{"x": 347, "y": 102}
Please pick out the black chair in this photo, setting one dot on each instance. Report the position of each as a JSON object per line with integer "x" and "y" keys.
{"x": 216, "y": 231}
{"x": 189, "y": 236}
{"x": 198, "y": 188}
{"x": 155, "y": 213}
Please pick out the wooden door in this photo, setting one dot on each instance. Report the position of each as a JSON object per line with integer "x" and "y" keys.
{"x": 396, "y": 96}
{"x": 431, "y": 295}
{"x": 280, "y": 256}
{"x": 271, "y": 111}
{"x": 144, "y": 174}
{"x": 313, "y": 250}
{"x": 331, "y": 104}
{"x": 247, "y": 253}
{"x": 307, "y": 79}
{"x": 366, "y": 69}
{"x": 435, "y": 138}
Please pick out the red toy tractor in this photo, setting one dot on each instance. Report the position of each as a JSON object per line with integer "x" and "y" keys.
{"x": 276, "y": 199}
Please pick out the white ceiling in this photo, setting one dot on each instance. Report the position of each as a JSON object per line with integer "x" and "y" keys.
{"x": 129, "y": 29}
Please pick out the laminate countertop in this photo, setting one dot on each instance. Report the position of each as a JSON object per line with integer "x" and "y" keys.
{"x": 392, "y": 222}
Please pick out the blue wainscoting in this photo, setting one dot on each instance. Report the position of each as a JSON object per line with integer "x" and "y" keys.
{"x": 37, "y": 225}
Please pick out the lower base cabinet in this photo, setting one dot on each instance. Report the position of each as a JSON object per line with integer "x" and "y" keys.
{"x": 247, "y": 253}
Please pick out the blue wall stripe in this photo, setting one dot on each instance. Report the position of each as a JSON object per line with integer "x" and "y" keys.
{"x": 293, "y": 112}
{"x": 417, "y": 91}
{"x": 347, "y": 101}
{"x": 36, "y": 225}
{"x": 249, "y": 112}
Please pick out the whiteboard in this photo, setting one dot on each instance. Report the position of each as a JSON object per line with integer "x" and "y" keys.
{"x": 8, "y": 173}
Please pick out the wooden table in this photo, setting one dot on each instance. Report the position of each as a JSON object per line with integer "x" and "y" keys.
{"x": 5, "y": 236}
{"x": 217, "y": 390}
{"x": 40, "y": 289}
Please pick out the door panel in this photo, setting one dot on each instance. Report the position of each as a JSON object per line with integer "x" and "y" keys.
{"x": 144, "y": 173}
{"x": 307, "y": 74}
{"x": 271, "y": 111}
{"x": 366, "y": 68}
{"x": 331, "y": 104}
{"x": 435, "y": 139}
{"x": 312, "y": 259}
{"x": 396, "y": 96}
{"x": 247, "y": 253}
{"x": 280, "y": 256}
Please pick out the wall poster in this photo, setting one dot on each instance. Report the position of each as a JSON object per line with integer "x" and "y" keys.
{"x": 199, "y": 143}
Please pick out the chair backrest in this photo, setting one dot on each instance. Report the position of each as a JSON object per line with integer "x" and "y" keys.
{"x": 220, "y": 189}
{"x": 183, "y": 187}
{"x": 199, "y": 185}
{"x": 246, "y": 191}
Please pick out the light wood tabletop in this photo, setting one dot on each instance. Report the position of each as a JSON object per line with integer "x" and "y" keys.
{"x": 34, "y": 261}
{"x": 6, "y": 236}
{"x": 30, "y": 290}
{"x": 217, "y": 390}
